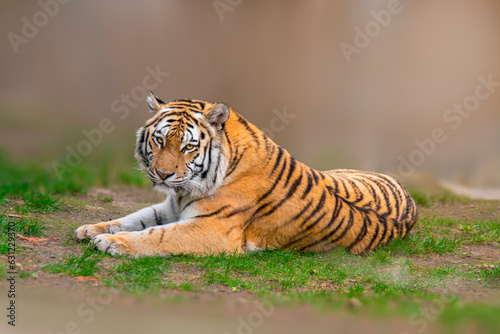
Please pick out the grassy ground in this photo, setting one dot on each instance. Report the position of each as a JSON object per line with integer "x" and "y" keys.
{"x": 446, "y": 272}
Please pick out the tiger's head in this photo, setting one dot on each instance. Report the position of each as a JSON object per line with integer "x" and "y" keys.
{"x": 182, "y": 146}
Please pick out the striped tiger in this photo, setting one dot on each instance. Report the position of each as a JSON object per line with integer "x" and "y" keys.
{"x": 230, "y": 188}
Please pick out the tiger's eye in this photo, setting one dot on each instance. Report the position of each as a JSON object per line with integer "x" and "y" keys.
{"x": 189, "y": 146}
{"x": 160, "y": 140}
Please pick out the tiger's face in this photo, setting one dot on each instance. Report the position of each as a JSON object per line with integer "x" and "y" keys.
{"x": 181, "y": 147}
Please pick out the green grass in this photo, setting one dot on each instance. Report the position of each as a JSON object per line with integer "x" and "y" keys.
{"x": 26, "y": 179}
{"x": 444, "y": 196}
{"x": 84, "y": 264}
{"x": 421, "y": 198}
{"x": 417, "y": 244}
{"x": 265, "y": 272}
{"x": 481, "y": 231}
{"x": 105, "y": 199}
{"x": 139, "y": 275}
{"x": 41, "y": 203}
{"x": 382, "y": 282}
{"x": 133, "y": 177}
{"x": 492, "y": 272}
{"x": 38, "y": 180}
{"x": 24, "y": 226}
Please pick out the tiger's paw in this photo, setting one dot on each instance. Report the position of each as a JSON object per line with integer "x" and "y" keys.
{"x": 113, "y": 244}
{"x": 89, "y": 231}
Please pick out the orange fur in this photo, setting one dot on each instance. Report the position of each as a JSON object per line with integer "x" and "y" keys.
{"x": 260, "y": 197}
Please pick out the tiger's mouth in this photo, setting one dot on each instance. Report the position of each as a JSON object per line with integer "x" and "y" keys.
{"x": 173, "y": 184}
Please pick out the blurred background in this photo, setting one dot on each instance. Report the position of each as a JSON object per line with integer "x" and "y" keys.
{"x": 375, "y": 85}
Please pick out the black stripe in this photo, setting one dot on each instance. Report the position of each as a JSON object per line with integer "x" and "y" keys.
{"x": 212, "y": 213}
{"x": 329, "y": 235}
{"x": 375, "y": 235}
{"x": 143, "y": 225}
{"x": 318, "y": 207}
{"x": 385, "y": 195}
{"x": 277, "y": 180}
{"x": 244, "y": 122}
{"x": 384, "y": 233}
{"x": 335, "y": 212}
{"x": 109, "y": 246}
{"x": 161, "y": 237}
{"x": 186, "y": 105}
{"x": 361, "y": 234}
{"x": 216, "y": 168}
{"x": 291, "y": 191}
{"x": 235, "y": 162}
{"x": 239, "y": 210}
{"x": 157, "y": 218}
{"x": 314, "y": 223}
{"x": 192, "y": 201}
{"x": 310, "y": 227}
{"x": 346, "y": 193}
{"x": 200, "y": 105}
{"x": 256, "y": 212}
{"x": 309, "y": 185}
{"x": 293, "y": 164}
{"x": 315, "y": 177}
{"x": 347, "y": 228}
{"x": 278, "y": 159}
{"x": 181, "y": 114}
{"x": 372, "y": 192}
{"x": 205, "y": 172}
{"x": 301, "y": 212}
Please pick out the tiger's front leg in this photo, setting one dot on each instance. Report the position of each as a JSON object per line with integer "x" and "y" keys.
{"x": 155, "y": 215}
{"x": 198, "y": 236}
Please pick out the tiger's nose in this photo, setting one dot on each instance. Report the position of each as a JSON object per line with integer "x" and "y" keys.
{"x": 164, "y": 176}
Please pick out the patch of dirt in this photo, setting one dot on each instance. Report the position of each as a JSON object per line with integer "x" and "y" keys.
{"x": 472, "y": 255}
{"x": 474, "y": 210}
{"x": 35, "y": 253}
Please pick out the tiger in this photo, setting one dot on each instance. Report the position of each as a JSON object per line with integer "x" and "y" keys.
{"x": 230, "y": 189}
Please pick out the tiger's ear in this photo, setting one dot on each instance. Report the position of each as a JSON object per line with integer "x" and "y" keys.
{"x": 218, "y": 115}
{"x": 154, "y": 103}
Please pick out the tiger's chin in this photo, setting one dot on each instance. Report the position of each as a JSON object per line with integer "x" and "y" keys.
{"x": 178, "y": 190}
{"x": 168, "y": 190}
